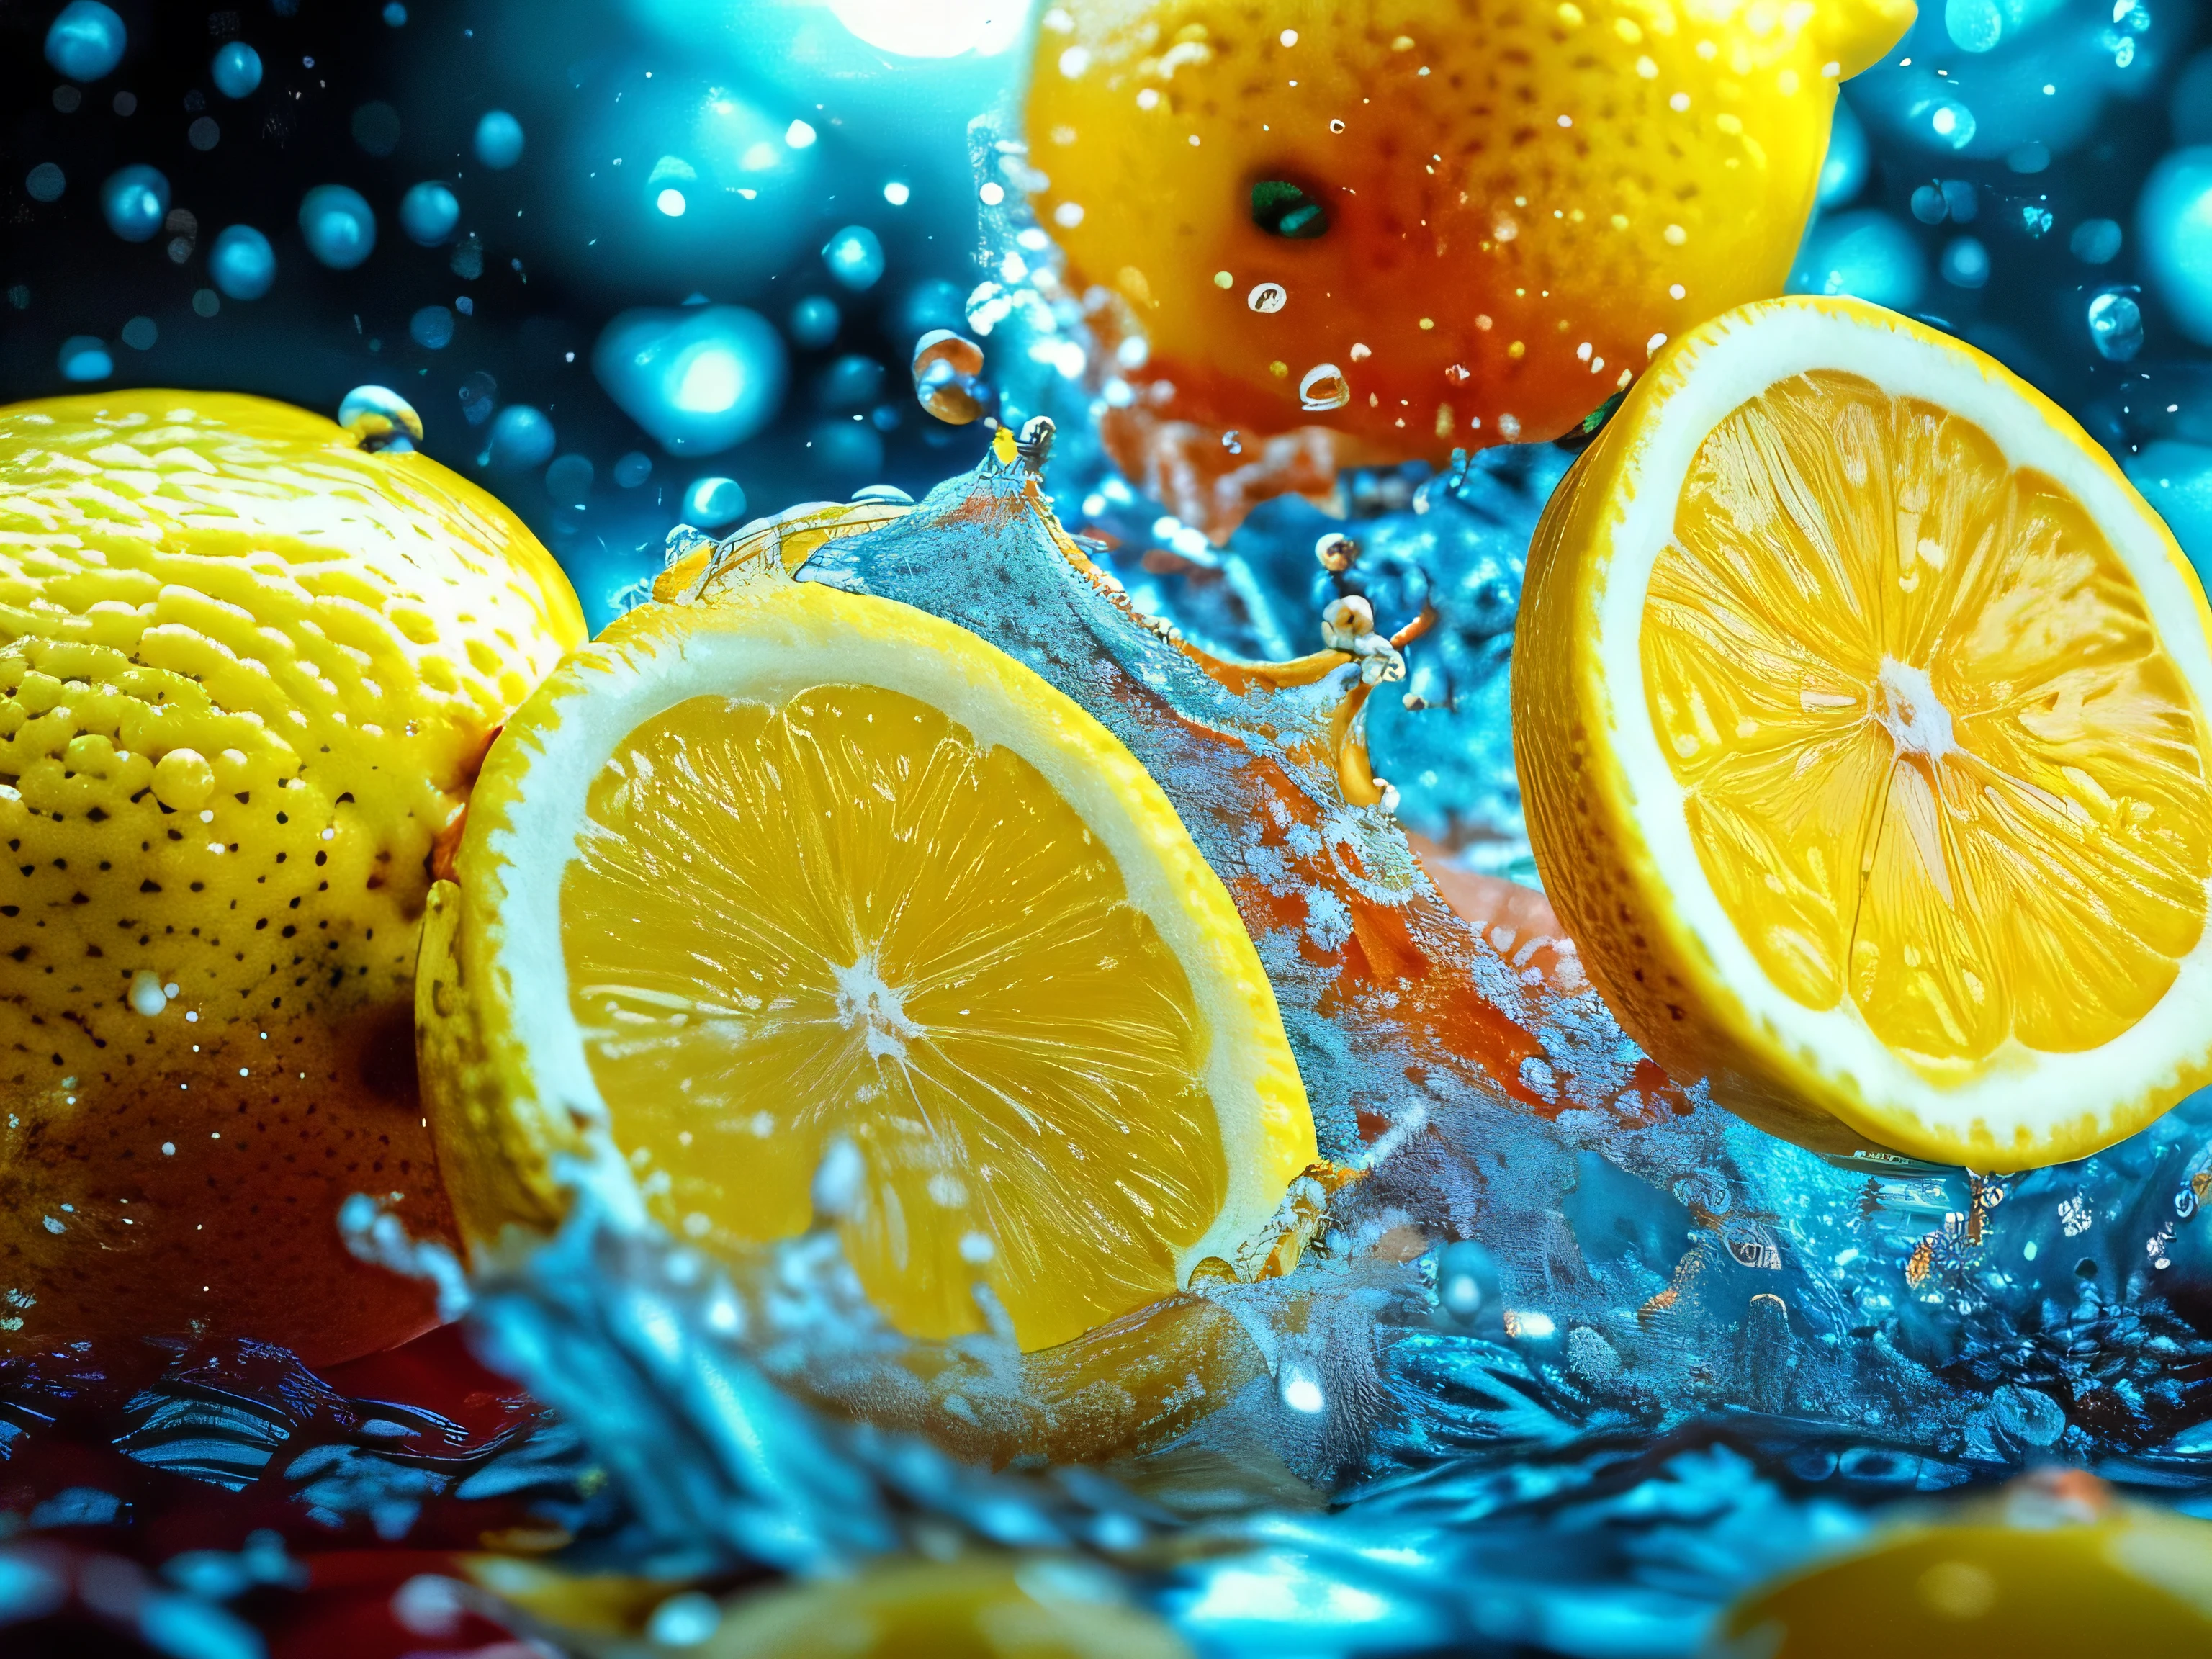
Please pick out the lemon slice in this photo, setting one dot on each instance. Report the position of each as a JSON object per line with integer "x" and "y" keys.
{"x": 786, "y": 868}
{"x": 1861, "y": 708}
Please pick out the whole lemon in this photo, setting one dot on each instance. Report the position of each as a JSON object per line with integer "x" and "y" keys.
{"x": 247, "y": 670}
{"x": 1415, "y": 226}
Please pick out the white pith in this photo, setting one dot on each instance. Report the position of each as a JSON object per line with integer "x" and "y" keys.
{"x": 2020, "y": 1096}
{"x": 769, "y": 651}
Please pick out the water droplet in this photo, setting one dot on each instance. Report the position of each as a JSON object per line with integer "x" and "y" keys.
{"x": 948, "y": 381}
{"x": 1952, "y": 122}
{"x": 140, "y": 333}
{"x": 2116, "y": 325}
{"x": 428, "y": 213}
{"x": 236, "y": 70}
{"x": 134, "y": 200}
{"x": 381, "y": 419}
{"x": 847, "y": 449}
{"x": 1324, "y": 387}
{"x": 242, "y": 262}
{"x": 853, "y": 381}
{"x": 633, "y": 469}
{"x": 147, "y": 996}
{"x": 1268, "y": 297}
{"x": 498, "y": 140}
{"x": 203, "y": 135}
{"x": 814, "y": 321}
{"x": 568, "y": 480}
{"x": 84, "y": 357}
{"x": 699, "y": 379}
{"x": 86, "y": 40}
{"x": 431, "y": 327}
{"x": 684, "y": 1620}
{"x": 339, "y": 225}
{"x": 395, "y": 16}
{"x": 854, "y": 257}
{"x": 44, "y": 183}
{"x": 521, "y": 438}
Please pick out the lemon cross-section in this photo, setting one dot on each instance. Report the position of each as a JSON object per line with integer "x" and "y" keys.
{"x": 1860, "y": 705}
{"x": 798, "y": 899}
{"x": 1934, "y": 758}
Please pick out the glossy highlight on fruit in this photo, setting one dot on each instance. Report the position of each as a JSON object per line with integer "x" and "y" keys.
{"x": 1480, "y": 222}
{"x": 1860, "y": 705}
{"x": 247, "y": 670}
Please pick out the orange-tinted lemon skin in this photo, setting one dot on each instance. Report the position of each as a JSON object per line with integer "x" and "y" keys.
{"x": 1516, "y": 205}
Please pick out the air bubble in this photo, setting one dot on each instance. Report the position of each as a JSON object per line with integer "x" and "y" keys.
{"x": 814, "y": 321}
{"x": 699, "y": 379}
{"x": 84, "y": 357}
{"x": 713, "y": 502}
{"x": 1268, "y": 297}
{"x": 44, "y": 183}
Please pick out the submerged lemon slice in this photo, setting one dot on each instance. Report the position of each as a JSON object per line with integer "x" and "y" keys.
{"x": 788, "y": 881}
{"x": 1861, "y": 708}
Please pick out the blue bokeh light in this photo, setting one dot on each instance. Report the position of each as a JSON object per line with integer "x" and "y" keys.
{"x": 236, "y": 70}
{"x": 699, "y": 379}
{"x": 498, "y": 140}
{"x": 84, "y": 357}
{"x": 339, "y": 225}
{"x": 1866, "y": 253}
{"x": 86, "y": 40}
{"x": 134, "y": 200}
{"x": 854, "y": 257}
{"x": 713, "y": 502}
{"x": 2174, "y": 231}
{"x": 521, "y": 438}
{"x": 242, "y": 263}
{"x": 429, "y": 213}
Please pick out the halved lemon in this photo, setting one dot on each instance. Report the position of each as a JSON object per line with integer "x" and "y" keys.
{"x": 1860, "y": 703}
{"x": 785, "y": 868}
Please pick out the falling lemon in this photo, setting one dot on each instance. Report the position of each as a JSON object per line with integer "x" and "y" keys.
{"x": 1860, "y": 703}
{"x": 247, "y": 669}
{"x": 1395, "y": 228}
{"x": 796, "y": 900}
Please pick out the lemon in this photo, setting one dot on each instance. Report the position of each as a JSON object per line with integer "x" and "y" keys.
{"x": 1861, "y": 702}
{"x": 974, "y": 1608}
{"x": 1393, "y": 228}
{"x": 784, "y": 881}
{"x": 2054, "y": 1576}
{"x": 246, "y": 674}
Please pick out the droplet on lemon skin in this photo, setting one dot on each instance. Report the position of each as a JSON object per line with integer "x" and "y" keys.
{"x": 257, "y": 671}
{"x": 1519, "y": 201}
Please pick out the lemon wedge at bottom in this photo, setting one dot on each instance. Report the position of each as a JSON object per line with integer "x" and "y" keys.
{"x": 788, "y": 882}
{"x": 1861, "y": 709}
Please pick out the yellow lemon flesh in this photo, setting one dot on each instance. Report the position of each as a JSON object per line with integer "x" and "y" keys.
{"x": 786, "y": 881}
{"x": 247, "y": 673}
{"x": 1861, "y": 706}
{"x": 1407, "y": 227}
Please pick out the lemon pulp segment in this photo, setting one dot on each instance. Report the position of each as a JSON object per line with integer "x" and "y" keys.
{"x": 1936, "y": 760}
{"x": 840, "y": 915}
